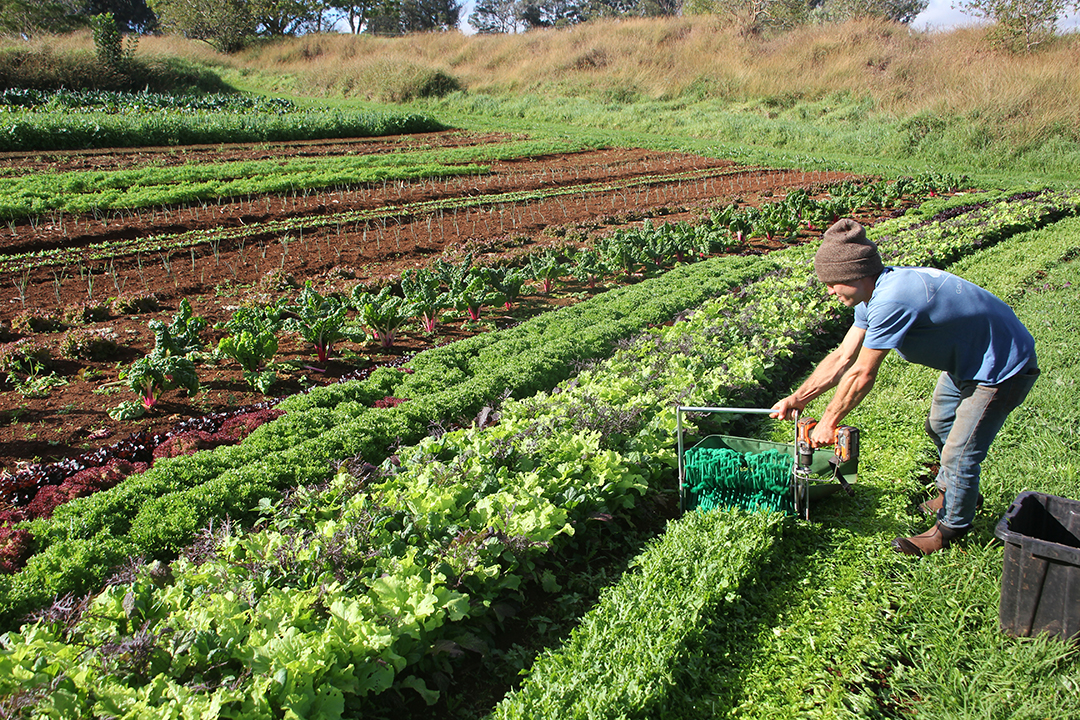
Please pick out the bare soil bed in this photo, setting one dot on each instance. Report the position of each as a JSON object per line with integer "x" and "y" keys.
{"x": 598, "y": 191}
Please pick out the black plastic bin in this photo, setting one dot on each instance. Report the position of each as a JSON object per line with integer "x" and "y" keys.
{"x": 1040, "y": 580}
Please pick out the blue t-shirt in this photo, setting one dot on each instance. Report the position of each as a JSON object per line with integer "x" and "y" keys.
{"x": 937, "y": 319}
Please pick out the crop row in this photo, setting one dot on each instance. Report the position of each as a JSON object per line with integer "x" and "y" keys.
{"x": 652, "y": 625}
{"x": 487, "y": 209}
{"x": 780, "y": 219}
{"x": 138, "y": 103}
{"x": 315, "y": 651}
{"x": 60, "y": 129}
{"x": 153, "y": 186}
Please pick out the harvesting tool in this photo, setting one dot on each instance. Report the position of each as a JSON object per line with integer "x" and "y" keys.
{"x": 724, "y": 470}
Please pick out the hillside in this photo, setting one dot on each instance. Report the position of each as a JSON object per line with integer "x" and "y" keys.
{"x": 868, "y": 89}
{"x": 878, "y": 95}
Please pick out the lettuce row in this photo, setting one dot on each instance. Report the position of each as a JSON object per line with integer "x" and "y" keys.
{"x": 340, "y": 592}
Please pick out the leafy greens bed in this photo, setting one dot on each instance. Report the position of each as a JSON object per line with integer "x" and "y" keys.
{"x": 32, "y": 120}
{"x": 370, "y": 581}
{"x": 159, "y": 512}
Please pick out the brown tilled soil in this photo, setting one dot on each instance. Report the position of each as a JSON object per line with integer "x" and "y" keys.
{"x": 604, "y": 189}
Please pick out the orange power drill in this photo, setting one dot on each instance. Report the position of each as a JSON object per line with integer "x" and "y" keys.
{"x": 846, "y": 448}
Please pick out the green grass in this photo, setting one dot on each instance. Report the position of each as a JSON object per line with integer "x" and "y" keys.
{"x": 961, "y": 666}
{"x": 807, "y": 135}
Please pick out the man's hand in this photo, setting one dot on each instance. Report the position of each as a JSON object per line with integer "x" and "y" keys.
{"x": 786, "y": 408}
{"x": 824, "y": 434}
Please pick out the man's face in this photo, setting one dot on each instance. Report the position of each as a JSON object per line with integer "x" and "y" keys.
{"x": 851, "y": 295}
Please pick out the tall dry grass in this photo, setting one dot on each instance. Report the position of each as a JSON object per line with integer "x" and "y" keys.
{"x": 894, "y": 70}
{"x": 899, "y": 71}
{"x": 70, "y": 61}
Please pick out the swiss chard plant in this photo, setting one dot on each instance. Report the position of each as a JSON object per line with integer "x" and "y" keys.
{"x": 545, "y": 268}
{"x": 253, "y": 341}
{"x": 471, "y": 297}
{"x": 619, "y": 254}
{"x": 383, "y": 313}
{"x": 425, "y": 296}
{"x": 170, "y": 365}
{"x": 586, "y": 267}
{"x": 181, "y": 336}
{"x": 507, "y": 282}
{"x": 455, "y": 275}
{"x": 320, "y": 320}
{"x": 155, "y": 374}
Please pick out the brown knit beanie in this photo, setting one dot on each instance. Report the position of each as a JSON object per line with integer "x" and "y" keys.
{"x": 846, "y": 255}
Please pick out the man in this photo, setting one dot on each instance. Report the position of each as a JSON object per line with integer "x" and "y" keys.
{"x": 930, "y": 317}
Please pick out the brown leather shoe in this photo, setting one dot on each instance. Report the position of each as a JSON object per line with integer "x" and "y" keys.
{"x": 931, "y": 506}
{"x": 934, "y": 539}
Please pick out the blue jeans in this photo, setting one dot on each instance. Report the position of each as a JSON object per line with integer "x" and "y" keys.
{"x": 964, "y": 419}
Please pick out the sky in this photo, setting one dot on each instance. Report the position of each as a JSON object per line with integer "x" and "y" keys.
{"x": 939, "y": 15}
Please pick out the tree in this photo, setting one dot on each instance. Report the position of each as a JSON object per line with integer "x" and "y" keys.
{"x": 497, "y": 16}
{"x": 427, "y": 15}
{"x": 593, "y": 9}
{"x": 397, "y": 17}
{"x": 552, "y": 13}
{"x": 224, "y": 24}
{"x": 661, "y": 8}
{"x": 901, "y": 11}
{"x": 355, "y": 12}
{"x": 279, "y": 18}
{"x": 132, "y": 16}
{"x": 754, "y": 17}
{"x": 1020, "y": 24}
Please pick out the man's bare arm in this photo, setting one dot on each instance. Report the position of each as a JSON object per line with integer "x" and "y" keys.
{"x": 855, "y": 384}
{"x": 825, "y": 376}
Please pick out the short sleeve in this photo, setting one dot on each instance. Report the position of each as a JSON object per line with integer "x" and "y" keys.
{"x": 860, "y": 316}
{"x": 887, "y": 325}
